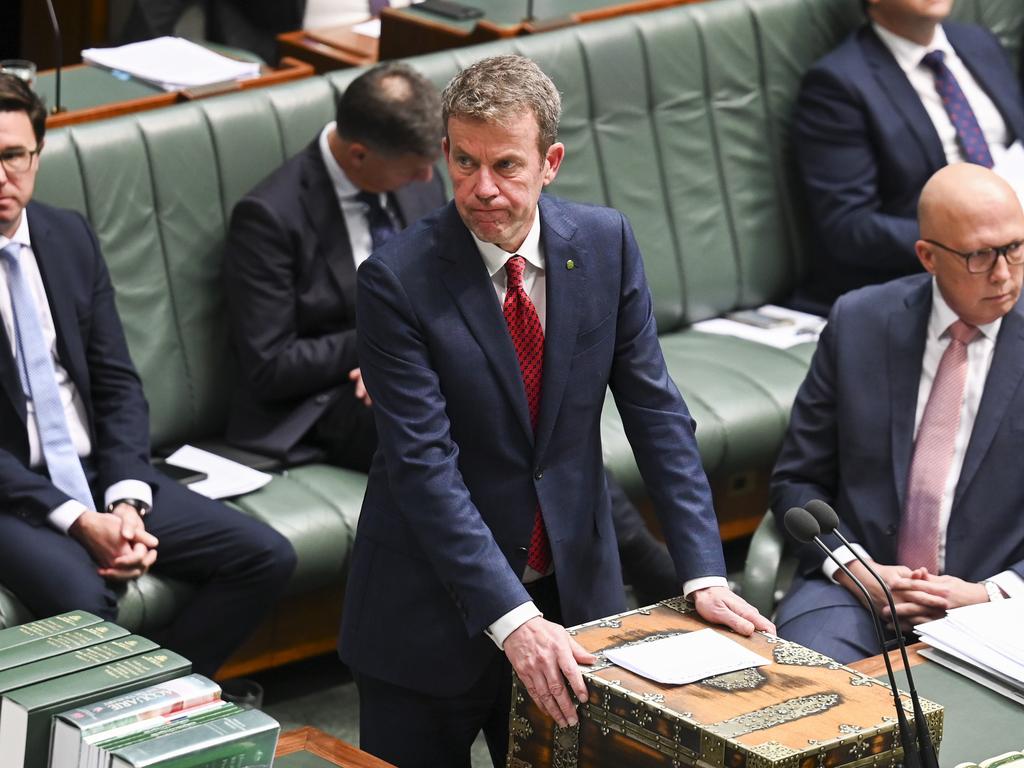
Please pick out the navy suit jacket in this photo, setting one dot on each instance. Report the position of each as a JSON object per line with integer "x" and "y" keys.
{"x": 92, "y": 347}
{"x": 290, "y": 283}
{"x": 851, "y": 433}
{"x": 865, "y": 147}
{"x": 450, "y": 502}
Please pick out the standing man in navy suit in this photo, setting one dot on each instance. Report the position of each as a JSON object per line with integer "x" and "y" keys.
{"x": 873, "y": 123}
{"x": 909, "y": 424}
{"x": 293, "y": 247}
{"x": 81, "y": 509}
{"x": 489, "y": 334}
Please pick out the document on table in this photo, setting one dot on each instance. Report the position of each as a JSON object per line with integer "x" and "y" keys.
{"x": 775, "y": 326}
{"x": 686, "y": 658}
{"x": 224, "y": 478}
{"x": 171, "y": 63}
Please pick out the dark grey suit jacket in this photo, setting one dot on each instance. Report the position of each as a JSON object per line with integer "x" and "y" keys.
{"x": 290, "y": 283}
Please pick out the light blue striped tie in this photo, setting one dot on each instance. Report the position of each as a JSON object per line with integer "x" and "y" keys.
{"x": 40, "y": 384}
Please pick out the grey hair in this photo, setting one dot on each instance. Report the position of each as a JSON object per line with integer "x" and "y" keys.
{"x": 500, "y": 88}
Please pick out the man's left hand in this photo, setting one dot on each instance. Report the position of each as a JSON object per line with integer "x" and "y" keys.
{"x": 926, "y": 597}
{"x": 143, "y": 546}
{"x": 720, "y": 605}
{"x": 356, "y": 376}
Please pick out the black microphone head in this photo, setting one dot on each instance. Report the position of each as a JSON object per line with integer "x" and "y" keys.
{"x": 801, "y": 524}
{"x": 827, "y": 518}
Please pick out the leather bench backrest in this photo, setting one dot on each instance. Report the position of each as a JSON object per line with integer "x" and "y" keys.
{"x": 679, "y": 118}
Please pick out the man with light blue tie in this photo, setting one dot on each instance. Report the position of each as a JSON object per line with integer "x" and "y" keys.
{"x": 81, "y": 509}
{"x": 903, "y": 96}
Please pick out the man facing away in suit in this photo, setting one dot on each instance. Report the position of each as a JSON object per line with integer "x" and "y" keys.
{"x": 294, "y": 244}
{"x": 489, "y": 333}
{"x": 81, "y": 510}
{"x": 921, "y": 457}
{"x": 903, "y": 96}
{"x": 290, "y": 271}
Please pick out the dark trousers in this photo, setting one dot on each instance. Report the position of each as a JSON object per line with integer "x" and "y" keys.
{"x": 828, "y": 618}
{"x": 346, "y": 431}
{"x": 415, "y": 730}
{"x": 239, "y": 565}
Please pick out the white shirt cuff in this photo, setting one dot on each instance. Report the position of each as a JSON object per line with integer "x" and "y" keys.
{"x": 691, "y": 586}
{"x": 844, "y": 556}
{"x": 1010, "y": 583}
{"x": 64, "y": 516}
{"x": 128, "y": 489}
{"x": 510, "y": 622}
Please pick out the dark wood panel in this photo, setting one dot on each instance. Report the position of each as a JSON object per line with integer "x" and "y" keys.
{"x": 83, "y": 24}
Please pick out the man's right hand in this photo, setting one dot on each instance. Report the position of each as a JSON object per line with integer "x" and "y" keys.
{"x": 545, "y": 657}
{"x": 103, "y": 537}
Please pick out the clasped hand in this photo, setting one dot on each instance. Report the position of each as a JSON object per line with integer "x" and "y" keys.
{"x": 118, "y": 542}
{"x": 546, "y": 657}
{"x": 919, "y": 596}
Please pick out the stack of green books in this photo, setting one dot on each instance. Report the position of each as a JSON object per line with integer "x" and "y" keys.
{"x": 79, "y": 692}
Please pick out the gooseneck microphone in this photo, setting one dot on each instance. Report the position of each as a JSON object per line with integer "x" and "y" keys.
{"x": 804, "y": 528}
{"x": 828, "y": 521}
{"x": 59, "y": 51}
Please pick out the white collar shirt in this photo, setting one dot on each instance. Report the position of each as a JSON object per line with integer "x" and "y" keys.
{"x": 909, "y": 54}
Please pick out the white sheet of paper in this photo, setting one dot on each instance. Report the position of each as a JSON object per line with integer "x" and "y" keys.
{"x": 1010, "y": 165}
{"x": 224, "y": 478}
{"x": 171, "y": 63}
{"x": 685, "y": 658}
{"x": 800, "y": 327}
{"x": 369, "y": 28}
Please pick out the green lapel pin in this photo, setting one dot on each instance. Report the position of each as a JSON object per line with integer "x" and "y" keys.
{"x": 570, "y": 264}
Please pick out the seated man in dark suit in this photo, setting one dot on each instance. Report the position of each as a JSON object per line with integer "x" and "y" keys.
{"x": 873, "y": 123}
{"x": 81, "y": 509}
{"x": 294, "y": 245}
{"x": 909, "y": 423}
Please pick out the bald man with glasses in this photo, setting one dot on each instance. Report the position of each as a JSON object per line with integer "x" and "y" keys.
{"x": 911, "y": 424}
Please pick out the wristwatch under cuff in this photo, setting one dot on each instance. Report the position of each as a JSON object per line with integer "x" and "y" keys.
{"x": 994, "y": 592}
{"x": 140, "y": 506}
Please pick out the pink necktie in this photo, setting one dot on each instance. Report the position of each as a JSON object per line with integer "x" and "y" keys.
{"x": 528, "y": 338}
{"x": 933, "y": 454}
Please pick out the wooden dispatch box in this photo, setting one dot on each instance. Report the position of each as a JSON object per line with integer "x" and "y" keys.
{"x": 804, "y": 710}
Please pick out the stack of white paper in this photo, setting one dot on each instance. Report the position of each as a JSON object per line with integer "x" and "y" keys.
{"x": 775, "y": 326}
{"x": 171, "y": 63}
{"x": 682, "y": 659}
{"x": 982, "y": 641}
{"x": 224, "y": 478}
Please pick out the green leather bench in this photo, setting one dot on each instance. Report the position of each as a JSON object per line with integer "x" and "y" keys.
{"x": 678, "y": 118}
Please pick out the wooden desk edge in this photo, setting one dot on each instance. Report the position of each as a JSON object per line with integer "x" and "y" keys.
{"x": 316, "y": 742}
{"x": 875, "y": 666}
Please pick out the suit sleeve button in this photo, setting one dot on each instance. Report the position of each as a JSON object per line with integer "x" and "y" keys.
{"x": 538, "y": 475}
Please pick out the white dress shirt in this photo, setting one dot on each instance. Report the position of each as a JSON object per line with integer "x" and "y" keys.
{"x": 355, "y": 211}
{"x": 979, "y": 361}
{"x": 535, "y": 284}
{"x": 909, "y": 54}
{"x": 74, "y": 409}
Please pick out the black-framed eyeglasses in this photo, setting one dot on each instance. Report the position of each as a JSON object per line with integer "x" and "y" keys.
{"x": 17, "y": 159}
{"x": 984, "y": 259}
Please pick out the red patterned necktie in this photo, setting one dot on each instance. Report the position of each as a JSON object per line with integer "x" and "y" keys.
{"x": 933, "y": 454}
{"x": 528, "y": 338}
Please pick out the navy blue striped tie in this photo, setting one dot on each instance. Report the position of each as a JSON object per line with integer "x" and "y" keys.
{"x": 968, "y": 132}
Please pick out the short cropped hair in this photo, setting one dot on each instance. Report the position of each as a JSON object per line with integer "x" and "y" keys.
{"x": 16, "y": 96}
{"x": 392, "y": 109}
{"x": 500, "y": 88}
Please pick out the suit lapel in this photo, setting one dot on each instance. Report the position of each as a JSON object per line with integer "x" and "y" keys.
{"x": 1002, "y": 382}
{"x": 564, "y": 287}
{"x": 414, "y": 201}
{"x": 1004, "y": 92}
{"x": 893, "y": 81}
{"x": 324, "y": 217}
{"x": 9, "y": 376}
{"x": 908, "y": 327}
{"x": 466, "y": 278}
